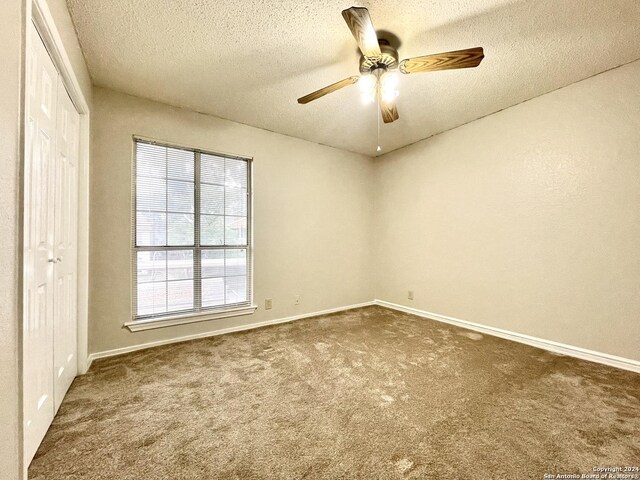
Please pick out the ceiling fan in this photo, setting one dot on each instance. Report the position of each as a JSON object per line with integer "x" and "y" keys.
{"x": 379, "y": 65}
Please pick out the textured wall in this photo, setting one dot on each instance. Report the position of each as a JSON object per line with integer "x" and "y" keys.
{"x": 527, "y": 220}
{"x": 11, "y": 49}
{"x": 313, "y": 216}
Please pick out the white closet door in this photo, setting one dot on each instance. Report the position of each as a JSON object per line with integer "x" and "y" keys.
{"x": 42, "y": 88}
{"x": 65, "y": 239}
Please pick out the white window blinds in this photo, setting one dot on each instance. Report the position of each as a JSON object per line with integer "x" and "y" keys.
{"x": 191, "y": 223}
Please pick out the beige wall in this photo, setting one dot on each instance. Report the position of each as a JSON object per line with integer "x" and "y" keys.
{"x": 11, "y": 59}
{"x": 526, "y": 220}
{"x": 313, "y": 216}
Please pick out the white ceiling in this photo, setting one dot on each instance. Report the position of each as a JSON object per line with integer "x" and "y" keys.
{"x": 249, "y": 61}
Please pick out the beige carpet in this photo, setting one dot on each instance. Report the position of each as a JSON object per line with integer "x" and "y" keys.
{"x": 364, "y": 394}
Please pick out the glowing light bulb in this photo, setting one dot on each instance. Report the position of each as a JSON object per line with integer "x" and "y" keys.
{"x": 390, "y": 80}
{"x": 367, "y": 83}
{"x": 368, "y": 87}
{"x": 368, "y": 97}
{"x": 388, "y": 86}
{"x": 389, "y": 96}
{"x": 379, "y": 149}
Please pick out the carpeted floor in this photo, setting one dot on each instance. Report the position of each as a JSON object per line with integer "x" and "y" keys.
{"x": 364, "y": 394}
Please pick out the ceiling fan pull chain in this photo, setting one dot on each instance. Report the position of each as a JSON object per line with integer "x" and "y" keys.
{"x": 378, "y": 120}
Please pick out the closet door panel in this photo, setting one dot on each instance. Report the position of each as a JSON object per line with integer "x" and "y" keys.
{"x": 66, "y": 229}
{"x": 40, "y": 147}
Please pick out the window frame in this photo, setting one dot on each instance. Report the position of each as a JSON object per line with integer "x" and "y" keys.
{"x": 198, "y": 313}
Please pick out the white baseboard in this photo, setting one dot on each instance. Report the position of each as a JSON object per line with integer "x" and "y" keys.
{"x": 569, "y": 350}
{"x": 221, "y": 331}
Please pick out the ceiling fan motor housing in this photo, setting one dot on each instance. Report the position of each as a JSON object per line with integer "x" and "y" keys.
{"x": 387, "y": 61}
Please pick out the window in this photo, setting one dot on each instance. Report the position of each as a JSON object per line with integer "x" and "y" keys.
{"x": 191, "y": 232}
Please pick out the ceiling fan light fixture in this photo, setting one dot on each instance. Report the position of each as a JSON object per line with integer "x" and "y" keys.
{"x": 368, "y": 97}
{"x": 389, "y": 87}
{"x": 390, "y": 80}
{"x": 367, "y": 83}
{"x": 388, "y": 95}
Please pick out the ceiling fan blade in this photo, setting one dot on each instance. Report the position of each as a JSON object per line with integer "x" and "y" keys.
{"x": 389, "y": 111}
{"x": 331, "y": 88}
{"x": 361, "y": 27}
{"x": 470, "y": 57}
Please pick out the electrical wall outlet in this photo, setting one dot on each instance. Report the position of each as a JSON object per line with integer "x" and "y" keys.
{"x": 297, "y": 300}
{"x": 410, "y": 295}
{"x": 267, "y": 304}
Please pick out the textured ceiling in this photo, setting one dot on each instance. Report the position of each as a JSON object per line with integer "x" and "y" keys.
{"x": 249, "y": 61}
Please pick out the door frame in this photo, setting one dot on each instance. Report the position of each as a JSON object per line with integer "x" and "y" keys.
{"x": 38, "y": 12}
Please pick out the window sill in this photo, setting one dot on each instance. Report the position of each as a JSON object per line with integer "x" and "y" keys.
{"x": 170, "y": 321}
